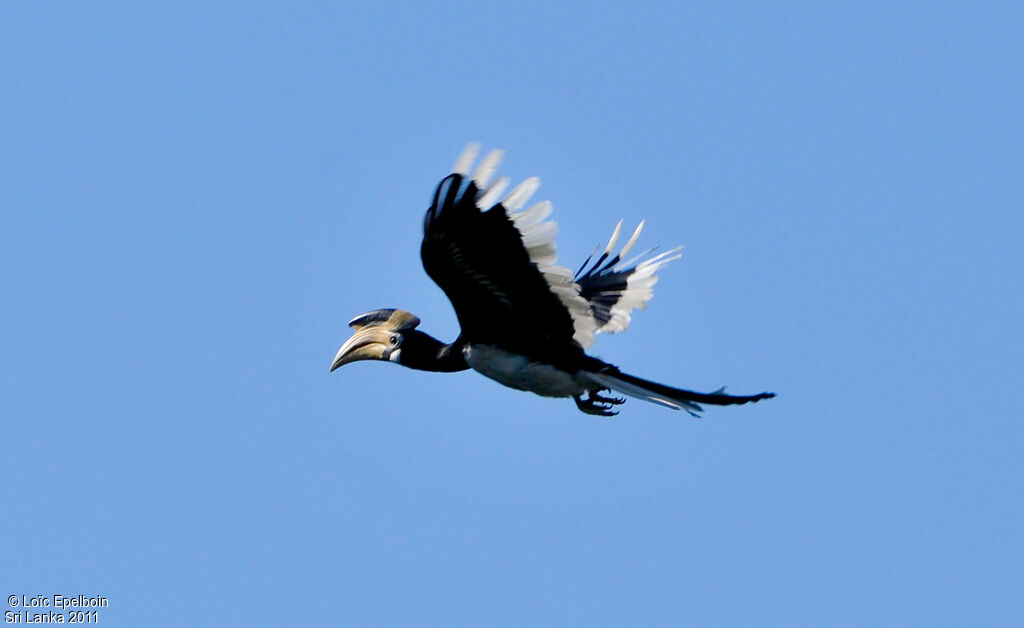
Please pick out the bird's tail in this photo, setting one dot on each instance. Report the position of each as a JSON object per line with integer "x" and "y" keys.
{"x": 675, "y": 398}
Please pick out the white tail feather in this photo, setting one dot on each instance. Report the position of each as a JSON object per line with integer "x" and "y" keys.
{"x": 639, "y": 392}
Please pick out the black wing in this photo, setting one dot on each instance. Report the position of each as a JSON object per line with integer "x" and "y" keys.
{"x": 614, "y": 288}
{"x": 499, "y": 276}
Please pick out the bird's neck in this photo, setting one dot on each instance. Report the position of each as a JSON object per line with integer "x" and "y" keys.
{"x": 425, "y": 353}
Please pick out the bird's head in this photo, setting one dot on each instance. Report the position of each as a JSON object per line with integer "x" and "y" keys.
{"x": 378, "y": 336}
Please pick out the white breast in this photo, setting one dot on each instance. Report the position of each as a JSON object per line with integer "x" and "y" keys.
{"x": 516, "y": 371}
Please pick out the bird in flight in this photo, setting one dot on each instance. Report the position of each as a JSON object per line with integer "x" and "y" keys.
{"x": 525, "y": 321}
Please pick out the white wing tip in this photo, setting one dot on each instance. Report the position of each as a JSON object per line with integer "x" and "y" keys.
{"x": 536, "y": 233}
{"x": 488, "y": 166}
{"x": 466, "y": 158}
{"x": 614, "y": 239}
{"x": 632, "y": 239}
{"x": 518, "y": 197}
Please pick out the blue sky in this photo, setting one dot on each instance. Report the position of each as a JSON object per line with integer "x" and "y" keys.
{"x": 195, "y": 199}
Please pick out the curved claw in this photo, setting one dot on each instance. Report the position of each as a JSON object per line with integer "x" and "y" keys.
{"x": 597, "y": 404}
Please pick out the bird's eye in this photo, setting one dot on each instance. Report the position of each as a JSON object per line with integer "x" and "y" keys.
{"x": 394, "y": 341}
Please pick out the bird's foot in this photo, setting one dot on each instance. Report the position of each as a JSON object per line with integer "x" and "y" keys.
{"x": 597, "y": 404}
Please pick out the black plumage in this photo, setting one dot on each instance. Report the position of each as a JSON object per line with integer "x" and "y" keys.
{"x": 525, "y": 322}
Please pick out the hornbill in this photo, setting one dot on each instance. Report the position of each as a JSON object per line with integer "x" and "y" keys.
{"x": 524, "y": 321}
